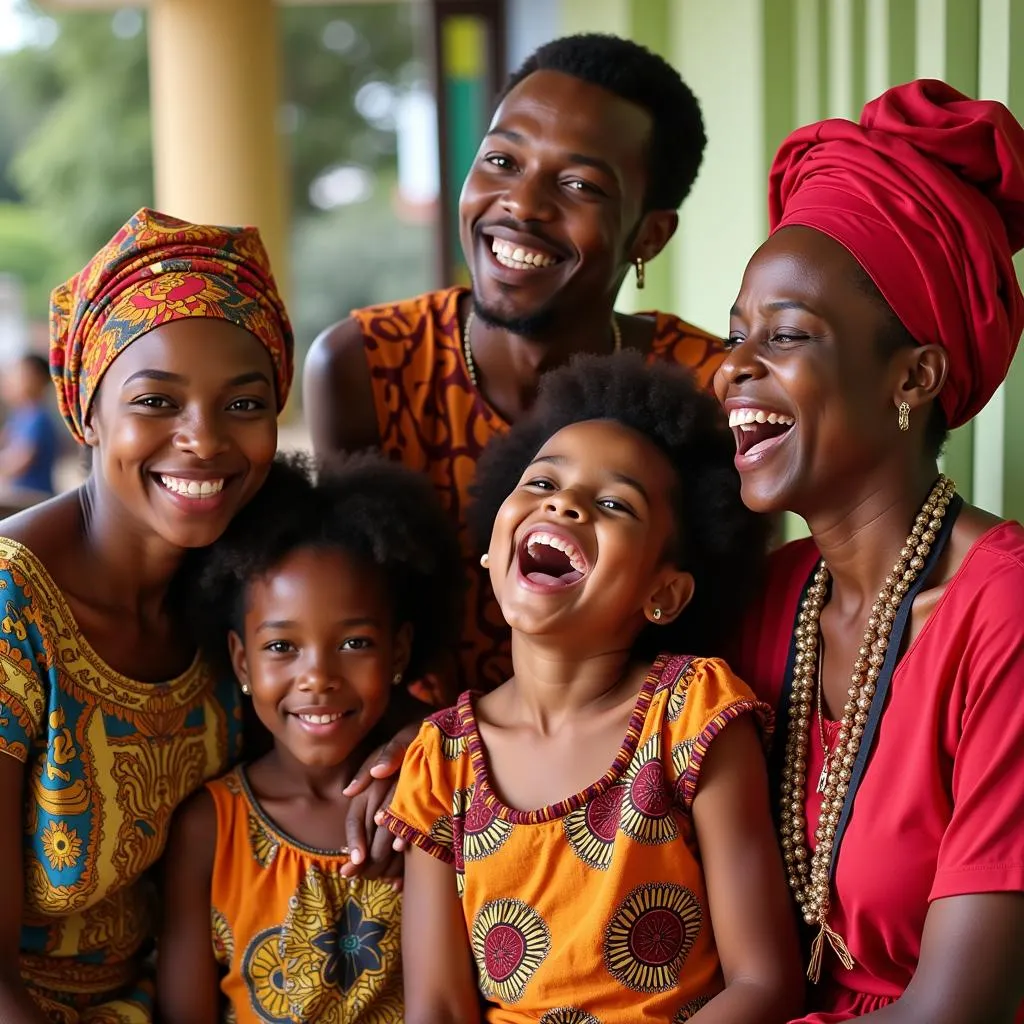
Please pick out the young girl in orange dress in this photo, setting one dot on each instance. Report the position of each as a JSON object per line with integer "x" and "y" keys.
{"x": 336, "y": 590}
{"x": 595, "y": 834}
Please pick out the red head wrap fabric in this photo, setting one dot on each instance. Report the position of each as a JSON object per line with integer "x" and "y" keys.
{"x": 154, "y": 270}
{"x": 926, "y": 191}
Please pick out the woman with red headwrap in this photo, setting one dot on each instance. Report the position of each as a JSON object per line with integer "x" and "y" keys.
{"x": 171, "y": 354}
{"x": 882, "y": 310}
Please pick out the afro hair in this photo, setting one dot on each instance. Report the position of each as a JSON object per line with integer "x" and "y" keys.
{"x": 718, "y": 540}
{"x": 366, "y": 506}
{"x": 635, "y": 74}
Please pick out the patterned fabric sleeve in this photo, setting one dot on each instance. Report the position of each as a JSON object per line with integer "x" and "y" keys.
{"x": 421, "y": 811}
{"x": 705, "y": 698}
{"x": 22, "y": 652}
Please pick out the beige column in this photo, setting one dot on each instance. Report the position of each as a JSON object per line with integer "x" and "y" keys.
{"x": 215, "y": 90}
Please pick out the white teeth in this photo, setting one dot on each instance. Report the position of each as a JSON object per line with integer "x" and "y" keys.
{"x": 320, "y": 719}
{"x": 518, "y": 258}
{"x": 192, "y": 488}
{"x": 575, "y": 558}
{"x": 745, "y": 418}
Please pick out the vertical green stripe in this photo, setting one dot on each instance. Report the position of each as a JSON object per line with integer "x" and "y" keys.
{"x": 962, "y": 28}
{"x": 858, "y": 45}
{"x": 902, "y": 40}
{"x": 824, "y": 87}
{"x": 651, "y": 26}
{"x": 1016, "y": 29}
{"x": 778, "y": 94}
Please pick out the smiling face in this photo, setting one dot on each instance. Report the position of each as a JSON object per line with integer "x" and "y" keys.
{"x": 582, "y": 549}
{"x": 318, "y": 652}
{"x": 184, "y": 428}
{"x": 551, "y": 212}
{"x": 807, "y": 385}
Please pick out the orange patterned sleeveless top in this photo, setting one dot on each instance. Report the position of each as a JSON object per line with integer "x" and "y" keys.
{"x": 431, "y": 418}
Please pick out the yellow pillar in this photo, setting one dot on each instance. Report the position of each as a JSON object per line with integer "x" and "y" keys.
{"x": 215, "y": 89}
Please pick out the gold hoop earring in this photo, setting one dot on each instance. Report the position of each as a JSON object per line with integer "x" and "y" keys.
{"x": 656, "y": 615}
{"x": 485, "y": 560}
{"x": 245, "y": 689}
{"x": 904, "y": 412}
{"x": 641, "y": 272}
{"x": 396, "y": 679}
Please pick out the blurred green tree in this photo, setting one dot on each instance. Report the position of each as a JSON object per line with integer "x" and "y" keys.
{"x": 75, "y": 140}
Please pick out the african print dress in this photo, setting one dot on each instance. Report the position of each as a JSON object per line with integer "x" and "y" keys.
{"x": 592, "y": 910}
{"x": 432, "y": 418}
{"x": 107, "y": 760}
{"x": 297, "y": 941}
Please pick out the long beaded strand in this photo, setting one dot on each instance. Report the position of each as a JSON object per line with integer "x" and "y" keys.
{"x": 809, "y": 873}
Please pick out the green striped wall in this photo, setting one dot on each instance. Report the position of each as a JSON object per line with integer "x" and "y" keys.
{"x": 762, "y": 67}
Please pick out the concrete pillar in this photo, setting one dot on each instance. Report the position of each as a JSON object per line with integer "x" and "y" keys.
{"x": 215, "y": 90}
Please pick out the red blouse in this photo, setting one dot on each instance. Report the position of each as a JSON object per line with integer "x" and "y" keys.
{"x": 940, "y": 809}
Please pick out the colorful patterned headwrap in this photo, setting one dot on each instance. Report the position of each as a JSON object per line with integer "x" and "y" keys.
{"x": 154, "y": 270}
{"x": 926, "y": 192}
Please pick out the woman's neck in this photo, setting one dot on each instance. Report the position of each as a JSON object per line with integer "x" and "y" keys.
{"x": 134, "y": 567}
{"x": 550, "y": 685}
{"x": 861, "y": 542}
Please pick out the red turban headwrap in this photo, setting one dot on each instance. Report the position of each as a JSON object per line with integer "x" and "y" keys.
{"x": 926, "y": 191}
{"x": 154, "y": 270}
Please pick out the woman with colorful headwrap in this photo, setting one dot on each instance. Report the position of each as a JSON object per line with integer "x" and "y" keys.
{"x": 882, "y": 310}
{"x": 171, "y": 354}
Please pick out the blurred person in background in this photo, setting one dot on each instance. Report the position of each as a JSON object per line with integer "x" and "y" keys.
{"x": 28, "y": 442}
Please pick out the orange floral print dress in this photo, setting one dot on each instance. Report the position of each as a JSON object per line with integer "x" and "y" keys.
{"x": 296, "y": 941}
{"x": 431, "y": 418}
{"x": 593, "y": 910}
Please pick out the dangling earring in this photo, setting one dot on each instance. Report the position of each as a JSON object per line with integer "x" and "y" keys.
{"x": 641, "y": 273}
{"x": 245, "y": 689}
{"x": 485, "y": 560}
{"x": 904, "y": 411}
{"x": 396, "y": 679}
{"x": 656, "y": 615}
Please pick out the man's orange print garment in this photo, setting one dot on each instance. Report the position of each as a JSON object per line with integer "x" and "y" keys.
{"x": 432, "y": 418}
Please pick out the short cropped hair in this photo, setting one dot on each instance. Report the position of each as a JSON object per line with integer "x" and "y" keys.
{"x": 635, "y": 74}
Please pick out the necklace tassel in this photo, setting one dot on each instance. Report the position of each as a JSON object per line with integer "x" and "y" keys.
{"x": 835, "y": 940}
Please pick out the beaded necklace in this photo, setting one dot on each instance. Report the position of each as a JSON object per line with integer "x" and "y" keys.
{"x": 810, "y": 872}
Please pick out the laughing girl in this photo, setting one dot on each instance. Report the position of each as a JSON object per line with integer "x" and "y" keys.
{"x": 595, "y": 834}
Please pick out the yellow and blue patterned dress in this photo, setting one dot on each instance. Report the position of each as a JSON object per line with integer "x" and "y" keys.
{"x": 107, "y": 759}
{"x": 296, "y": 941}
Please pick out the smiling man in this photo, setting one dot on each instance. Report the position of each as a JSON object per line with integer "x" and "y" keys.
{"x": 593, "y": 147}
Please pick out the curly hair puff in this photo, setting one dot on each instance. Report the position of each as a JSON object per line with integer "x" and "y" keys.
{"x": 718, "y": 540}
{"x": 635, "y": 74}
{"x": 364, "y": 505}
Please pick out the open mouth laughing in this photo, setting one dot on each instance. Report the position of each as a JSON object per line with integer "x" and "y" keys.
{"x": 550, "y": 561}
{"x": 757, "y": 431}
